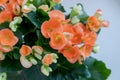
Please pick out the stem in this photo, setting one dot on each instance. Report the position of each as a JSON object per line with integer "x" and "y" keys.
{"x": 63, "y": 67}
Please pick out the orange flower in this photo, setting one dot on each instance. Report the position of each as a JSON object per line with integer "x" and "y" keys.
{"x": 57, "y": 40}
{"x": 68, "y": 28}
{"x": 93, "y": 23}
{"x": 56, "y": 14}
{"x": 90, "y": 38}
{"x": 47, "y": 60}
{"x": 20, "y": 2}
{"x": 50, "y": 26}
{"x": 86, "y": 50}
{"x": 25, "y": 50}
{"x": 3, "y": 2}
{"x": 13, "y": 7}
{"x": 5, "y": 16}
{"x": 78, "y": 33}
{"x": 68, "y": 31}
{"x": 7, "y": 37}
{"x": 72, "y": 53}
{"x": 57, "y": 1}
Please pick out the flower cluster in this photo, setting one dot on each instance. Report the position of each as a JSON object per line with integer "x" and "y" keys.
{"x": 41, "y": 33}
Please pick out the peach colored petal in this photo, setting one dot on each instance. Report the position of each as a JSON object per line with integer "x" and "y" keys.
{"x": 93, "y": 23}
{"x": 57, "y": 40}
{"x": 37, "y": 49}
{"x": 20, "y": 2}
{"x": 57, "y": 1}
{"x": 86, "y": 50}
{"x": 78, "y": 33}
{"x": 72, "y": 53}
{"x": 47, "y": 60}
{"x": 5, "y": 48}
{"x": 25, "y": 63}
{"x": 90, "y": 38}
{"x": 50, "y": 26}
{"x": 4, "y": 18}
{"x": 57, "y": 14}
{"x": 3, "y": 2}
{"x": 25, "y": 50}
{"x": 7, "y": 37}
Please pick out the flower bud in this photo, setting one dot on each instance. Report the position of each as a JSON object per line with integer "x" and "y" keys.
{"x": 14, "y": 24}
{"x": 17, "y": 20}
{"x": 76, "y": 10}
{"x": 75, "y": 20}
{"x": 37, "y": 49}
{"x": 105, "y": 23}
{"x": 38, "y": 56}
{"x": 54, "y": 57}
{"x": 57, "y": 1}
{"x": 33, "y": 61}
{"x": 25, "y": 63}
{"x": 3, "y": 76}
{"x": 28, "y": 8}
{"x": 44, "y": 7}
{"x": 98, "y": 13}
{"x": 96, "y": 49}
{"x": 46, "y": 70}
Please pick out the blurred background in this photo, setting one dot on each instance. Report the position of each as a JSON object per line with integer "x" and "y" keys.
{"x": 109, "y": 38}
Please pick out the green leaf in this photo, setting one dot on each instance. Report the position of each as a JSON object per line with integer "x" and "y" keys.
{"x": 16, "y": 53}
{"x": 26, "y": 27}
{"x": 10, "y": 65}
{"x": 97, "y": 69}
{"x": 15, "y": 75}
{"x": 30, "y": 39}
{"x": 4, "y": 25}
{"x": 37, "y": 18}
{"x": 34, "y": 73}
{"x": 59, "y": 7}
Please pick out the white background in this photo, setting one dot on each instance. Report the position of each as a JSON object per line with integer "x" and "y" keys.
{"x": 109, "y": 38}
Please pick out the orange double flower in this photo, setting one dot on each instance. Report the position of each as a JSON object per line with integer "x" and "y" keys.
{"x": 12, "y": 8}
{"x": 66, "y": 37}
{"x": 7, "y": 40}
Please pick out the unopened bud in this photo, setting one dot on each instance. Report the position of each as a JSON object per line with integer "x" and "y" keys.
{"x": 76, "y": 10}
{"x": 75, "y": 20}
{"x": 46, "y": 70}
{"x": 96, "y": 49}
{"x": 28, "y": 8}
{"x": 98, "y": 13}
{"x": 105, "y": 23}
{"x": 3, "y": 76}
{"x": 44, "y": 7}
{"x": 33, "y": 61}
